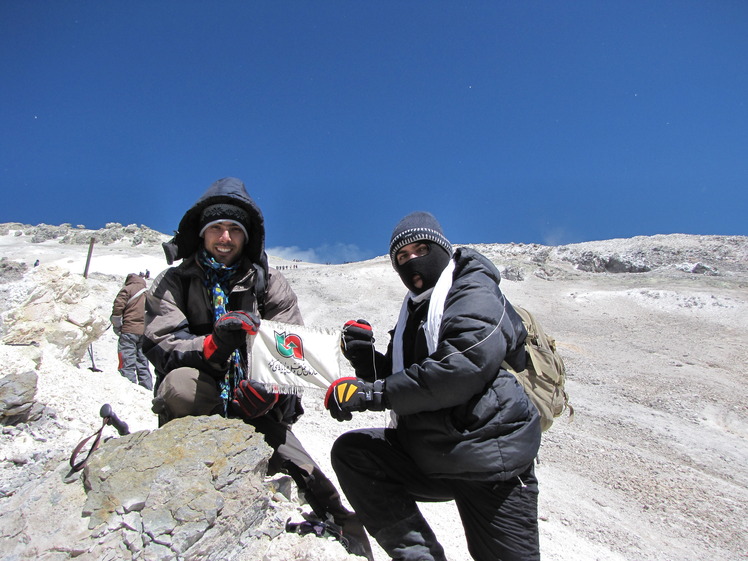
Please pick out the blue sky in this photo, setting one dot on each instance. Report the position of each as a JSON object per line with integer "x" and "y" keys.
{"x": 512, "y": 121}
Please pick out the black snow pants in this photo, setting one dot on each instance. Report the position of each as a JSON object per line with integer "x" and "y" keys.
{"x": 187, "y": 391}
{"x": 383, "y": 485}
{"x": 290, "y": 457}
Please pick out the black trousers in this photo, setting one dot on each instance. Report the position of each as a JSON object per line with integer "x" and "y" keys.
{"x": 383, "y": 485}
{"x": 187, "y": 391}
{"x": 289, "y": 456}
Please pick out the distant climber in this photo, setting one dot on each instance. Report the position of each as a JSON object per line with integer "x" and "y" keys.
{"x": 128, "y": 322}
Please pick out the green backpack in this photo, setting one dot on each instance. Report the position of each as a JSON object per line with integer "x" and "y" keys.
{"x": 544, "y": 378}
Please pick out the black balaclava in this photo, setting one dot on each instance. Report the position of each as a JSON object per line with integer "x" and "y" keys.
{"x": 420, "y": 227}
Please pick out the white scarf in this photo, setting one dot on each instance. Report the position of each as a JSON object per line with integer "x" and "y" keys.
{"x": 433, "y": 319}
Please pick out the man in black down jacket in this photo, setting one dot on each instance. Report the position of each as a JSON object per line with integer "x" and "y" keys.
{"x": 465, "y": 430}
{"x": 198, "y": 316}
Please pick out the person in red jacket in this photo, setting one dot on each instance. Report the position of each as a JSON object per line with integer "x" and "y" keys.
{"x": 128, "y": 320}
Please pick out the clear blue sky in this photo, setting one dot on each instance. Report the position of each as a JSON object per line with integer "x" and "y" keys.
{"x": 512, "y": 121}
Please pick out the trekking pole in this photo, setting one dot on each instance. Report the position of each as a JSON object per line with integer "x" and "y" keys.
{"x": 111, "y": 418}
{"x": 108, "y": 418}
{"x": 92, "y": 368}
{"x": 88, "y": 259}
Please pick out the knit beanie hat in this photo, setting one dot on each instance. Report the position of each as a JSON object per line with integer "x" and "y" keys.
{"x": 224, "y": 212}
{"x": 416, "y": 227}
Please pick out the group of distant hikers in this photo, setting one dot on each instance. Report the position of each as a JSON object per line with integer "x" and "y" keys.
{"x": 463, "y": 428}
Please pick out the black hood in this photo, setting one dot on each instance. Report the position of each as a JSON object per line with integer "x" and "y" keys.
{"x": 187, "y": 241}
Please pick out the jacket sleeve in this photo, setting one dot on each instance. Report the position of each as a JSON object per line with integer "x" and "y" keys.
{"x": 478, "y": 328}
{"x": 169, "y": 343}
{"x": 281, "y": 303}
{"x": 118, "y": 308}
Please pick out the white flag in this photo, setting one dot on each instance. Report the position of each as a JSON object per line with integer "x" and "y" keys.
{"x": 288, "y": 358}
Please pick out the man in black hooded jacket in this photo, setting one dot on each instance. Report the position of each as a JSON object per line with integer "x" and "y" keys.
{"x": 465, "y": 429}
{"x": 198, "y": 316}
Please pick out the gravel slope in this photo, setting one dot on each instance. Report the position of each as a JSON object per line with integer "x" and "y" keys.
{"x": 654, "y": 465}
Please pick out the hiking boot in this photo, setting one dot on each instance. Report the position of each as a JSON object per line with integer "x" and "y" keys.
{"x": 355, "y": 545}
{"x": 355, "y": 538}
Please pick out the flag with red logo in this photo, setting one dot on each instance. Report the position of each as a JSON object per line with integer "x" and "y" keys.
{"x": 288, "y": 358}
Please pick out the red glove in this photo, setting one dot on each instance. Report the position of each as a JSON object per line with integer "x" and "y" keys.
{"x": 252, "y": 400}
{"x": 229, "y": 333}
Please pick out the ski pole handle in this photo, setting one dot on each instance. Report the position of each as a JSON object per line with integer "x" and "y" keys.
{"x": 111, "y": 418}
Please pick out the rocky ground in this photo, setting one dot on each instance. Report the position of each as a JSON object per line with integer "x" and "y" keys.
{"x": 652, "y": 330}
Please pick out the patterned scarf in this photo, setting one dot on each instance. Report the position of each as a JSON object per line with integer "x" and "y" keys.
{"x": 217, "y": 277}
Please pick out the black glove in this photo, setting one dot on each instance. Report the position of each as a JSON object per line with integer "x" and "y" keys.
{"x": 229, "y": 333}
{"x": 354, "y": 394}
{"x": 252, "y": 400}
{"x": 357, "y": 340}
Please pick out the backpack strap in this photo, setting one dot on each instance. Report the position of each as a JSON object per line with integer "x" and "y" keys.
{"x": 134, "y": 296}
